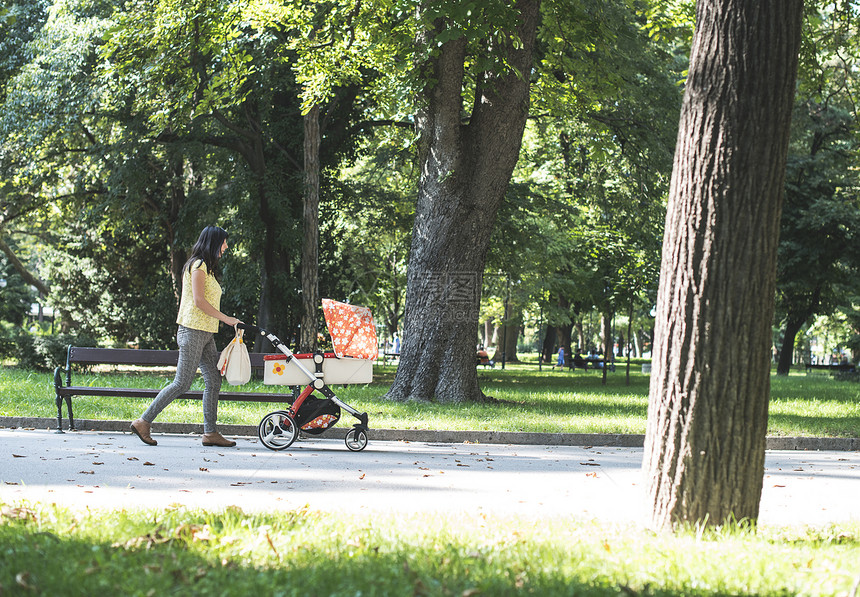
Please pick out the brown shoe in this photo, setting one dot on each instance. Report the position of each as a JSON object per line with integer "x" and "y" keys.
{"x": 216, "y": 439}
{"x": 141, "y": 429}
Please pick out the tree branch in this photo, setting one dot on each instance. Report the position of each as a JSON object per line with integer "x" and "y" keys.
{"x": 23, "y": 271}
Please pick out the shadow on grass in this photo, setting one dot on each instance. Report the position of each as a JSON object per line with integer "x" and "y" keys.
{"x": 167, "y": 566}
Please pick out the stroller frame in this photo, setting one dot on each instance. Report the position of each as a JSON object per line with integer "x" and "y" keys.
{"x": 278, "y": 430}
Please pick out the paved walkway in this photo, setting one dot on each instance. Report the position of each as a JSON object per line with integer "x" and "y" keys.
{"x": 115, "y": 469}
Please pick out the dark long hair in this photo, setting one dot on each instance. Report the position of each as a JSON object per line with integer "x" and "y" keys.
{"x": 206, "y": 250}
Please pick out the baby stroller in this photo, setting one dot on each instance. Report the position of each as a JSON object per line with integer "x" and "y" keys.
{"x": 354, "y": 341}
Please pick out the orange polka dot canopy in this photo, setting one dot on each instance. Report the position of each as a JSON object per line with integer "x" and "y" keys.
{"x": 351, "y": 328}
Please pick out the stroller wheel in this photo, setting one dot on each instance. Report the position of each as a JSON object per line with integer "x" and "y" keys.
{"x": 277, "y": 430}
{"x": 356, "y": 439}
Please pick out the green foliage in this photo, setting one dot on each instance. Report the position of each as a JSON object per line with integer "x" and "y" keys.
{"x": 36, "y": 351}
{"x": 95, "y": 287}
{"x": 818, "y": 256}
{"x": 17, "y": 344}
{"x": 15, "y": 295}
{"x": 51, "y": 349}
{"x": 368, "y": 231}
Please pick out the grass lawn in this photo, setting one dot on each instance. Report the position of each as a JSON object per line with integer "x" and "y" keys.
{"x": 52, "y": 551}
{"x": 529, "y": 400}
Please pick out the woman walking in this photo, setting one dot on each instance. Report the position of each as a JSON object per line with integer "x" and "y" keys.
{"x": 199, "y": 314}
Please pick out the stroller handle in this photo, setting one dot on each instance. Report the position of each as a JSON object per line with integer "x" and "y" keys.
{"x": 276, "y": 342}
{"x": 251, "y": 328}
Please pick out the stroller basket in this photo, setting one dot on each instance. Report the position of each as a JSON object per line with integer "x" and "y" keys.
{"x": 281, "y": 371}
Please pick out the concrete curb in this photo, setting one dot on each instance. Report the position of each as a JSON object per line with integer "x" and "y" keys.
{"x": 441, "y": 436}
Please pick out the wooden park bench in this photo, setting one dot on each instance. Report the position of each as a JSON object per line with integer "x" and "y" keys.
{"x": 835, "y": 367}
{"x": 82, "y": 356}
{"x": 388, "y": 357}
{"x": 587, "y": 363}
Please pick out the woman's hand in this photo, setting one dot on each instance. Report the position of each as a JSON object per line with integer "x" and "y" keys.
{"x": 231, "y": 321}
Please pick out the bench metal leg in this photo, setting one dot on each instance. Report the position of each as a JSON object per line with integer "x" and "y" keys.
{"x": 71, "y": 416}
{"x": 59, "y": 414}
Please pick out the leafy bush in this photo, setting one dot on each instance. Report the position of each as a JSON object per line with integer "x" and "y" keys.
{"x": 38, "y": 352}
{"x": 51, "y": 350}
{"x": 17, "y": 344}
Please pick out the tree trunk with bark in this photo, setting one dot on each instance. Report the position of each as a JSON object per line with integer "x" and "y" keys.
{"x": 465, "y": 171}
{"x": 786, "y": 353}
{"x": 509, "y": 332}
{"x": 707, "y": 416}
{"x": 793, "y": 323}
{"x": 608, "y": 354}
{"x": 548, "y": 345}
{"x": 310, "y": 243}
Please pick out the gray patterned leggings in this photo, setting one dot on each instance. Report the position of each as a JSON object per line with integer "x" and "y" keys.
{"x": 196, "y": 349}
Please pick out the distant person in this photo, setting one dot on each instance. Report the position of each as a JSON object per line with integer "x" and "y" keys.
{"x": 484, "y": 358}
{"x": 560, "y": 362}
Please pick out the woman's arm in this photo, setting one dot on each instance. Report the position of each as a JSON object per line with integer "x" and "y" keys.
{"x": 198, "y": 290}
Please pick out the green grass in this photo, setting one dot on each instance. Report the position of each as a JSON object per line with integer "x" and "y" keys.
{"x": 529, "y": 400}
{"x": 49, "y": 550}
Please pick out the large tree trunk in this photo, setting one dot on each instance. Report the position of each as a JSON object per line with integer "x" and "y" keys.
{"x": 275, "y": 265}
{"x": 786, "y": 353}
{"x": 310, "y": 244}
{"x": 506, "y": 349}
{"x": 548, "y": 344}
{"x": 465, "y": 171}
{"x": 793, "y": 325}
{"x": 793, "y": 322}
{"x": 608, "y": 354}
{"x": 707, "y": 416}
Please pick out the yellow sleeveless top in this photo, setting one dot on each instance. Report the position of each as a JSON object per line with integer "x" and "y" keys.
{"x": 190, "y": 315}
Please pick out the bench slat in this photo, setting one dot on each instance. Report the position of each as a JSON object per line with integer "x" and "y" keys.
{"x": 134, "y": 356}
{"x": 151, "y": 393}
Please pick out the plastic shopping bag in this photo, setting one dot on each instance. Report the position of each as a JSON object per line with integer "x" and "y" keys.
{"x": 234, "y": 362}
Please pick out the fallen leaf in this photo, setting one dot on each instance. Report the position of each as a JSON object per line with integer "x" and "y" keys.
{"x": 362, "y": 476}
{"x": 147, "y": 463}
{"x": 589, "y": 463}
{"x": 86, "y": 472}
{"x": 18, "y": 456}
{"x": 18, "y": 513}
{"x": 204, "y": 469}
